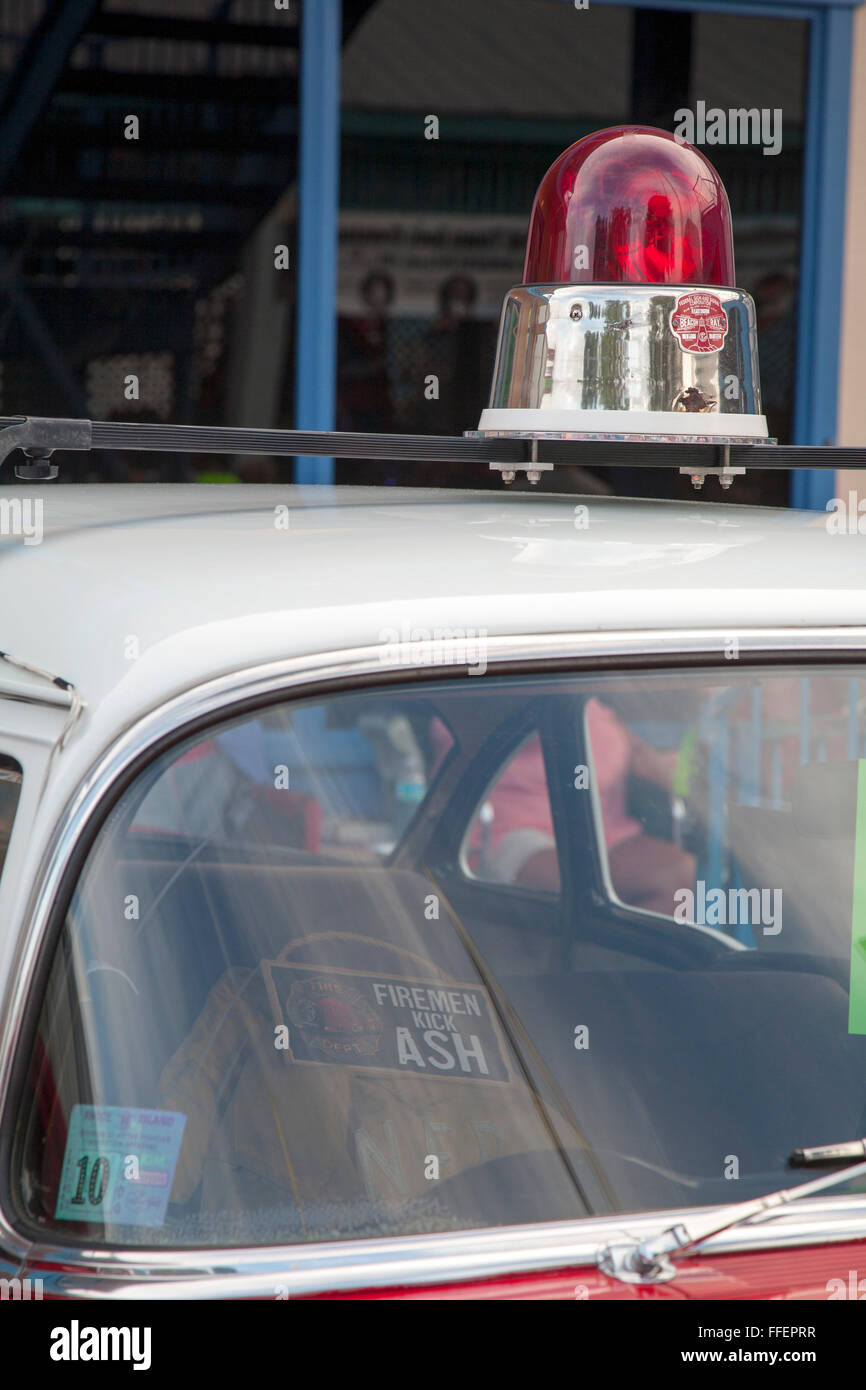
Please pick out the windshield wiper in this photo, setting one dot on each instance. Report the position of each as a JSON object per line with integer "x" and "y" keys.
{"x": 648, "y": 1261}
{"x": 828, "y": 1155}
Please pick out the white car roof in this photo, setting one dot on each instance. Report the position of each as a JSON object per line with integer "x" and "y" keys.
{"x": 138, "y": 594}
{"x": 203, "y": 580}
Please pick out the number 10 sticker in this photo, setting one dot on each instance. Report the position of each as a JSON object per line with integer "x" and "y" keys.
{"x": 119, "y": 1165}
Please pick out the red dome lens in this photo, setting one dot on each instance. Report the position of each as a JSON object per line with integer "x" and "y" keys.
{"x": 631, "y": 205}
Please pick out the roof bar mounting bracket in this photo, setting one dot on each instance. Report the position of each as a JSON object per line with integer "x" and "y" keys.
{"x": 725, "y": 473}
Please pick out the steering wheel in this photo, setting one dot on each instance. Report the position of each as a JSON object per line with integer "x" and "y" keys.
{"x": 367, "y": 941}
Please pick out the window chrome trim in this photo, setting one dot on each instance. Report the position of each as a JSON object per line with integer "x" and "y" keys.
{"x": 405, "y": 1260}
{"x": 410, "y": 1261}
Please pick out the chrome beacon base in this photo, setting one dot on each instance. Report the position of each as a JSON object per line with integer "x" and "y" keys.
{"x": 672, "y": 363}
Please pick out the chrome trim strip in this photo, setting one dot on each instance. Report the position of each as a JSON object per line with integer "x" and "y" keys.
{"x": 411, "y": 1260}
{"x": 406, "y": 1259}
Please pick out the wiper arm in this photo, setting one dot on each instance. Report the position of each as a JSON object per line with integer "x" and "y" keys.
{"x": 828, "y": 1155}
{"x": 648, "y": 1261}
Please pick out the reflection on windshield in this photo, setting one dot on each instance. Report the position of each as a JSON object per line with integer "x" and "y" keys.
{"x": 461, "y": 954}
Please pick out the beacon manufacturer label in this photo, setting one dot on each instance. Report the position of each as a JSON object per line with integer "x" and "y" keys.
{"x": 699, "y": 323}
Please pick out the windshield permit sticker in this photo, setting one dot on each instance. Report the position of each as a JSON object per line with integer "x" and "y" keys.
{"x": 857, "y": 990}
{"x": 385, "y": 1022}
{"x": 119, "y": 1165}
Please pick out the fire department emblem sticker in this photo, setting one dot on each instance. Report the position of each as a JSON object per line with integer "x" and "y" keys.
{"x": 699, "y": 323}
{"x": 333, "y": 1018}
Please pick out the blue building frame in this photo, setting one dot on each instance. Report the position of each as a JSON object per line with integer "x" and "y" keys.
{"x": 831, "y": 28}
{"x": 318, "y": 223}
{"x": 823, "y": 244}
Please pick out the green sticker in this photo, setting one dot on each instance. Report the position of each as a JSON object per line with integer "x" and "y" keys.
{"x": 857, "y": 992}
{"x": 685, "y": 764}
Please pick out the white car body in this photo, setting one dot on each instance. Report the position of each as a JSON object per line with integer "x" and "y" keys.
{"x": 161, "y": 604}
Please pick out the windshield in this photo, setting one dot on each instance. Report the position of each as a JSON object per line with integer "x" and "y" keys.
{"x": 469, "y": 952}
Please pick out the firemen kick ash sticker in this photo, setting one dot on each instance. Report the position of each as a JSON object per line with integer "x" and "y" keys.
{"x": 699, "y": 322}
{"x": 387, "y": 1023}
{"x": 118, "y": 1166}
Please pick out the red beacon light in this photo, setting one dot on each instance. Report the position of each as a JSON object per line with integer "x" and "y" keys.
{"x": 630, "y": 205}
{"x": 629, "y": 321}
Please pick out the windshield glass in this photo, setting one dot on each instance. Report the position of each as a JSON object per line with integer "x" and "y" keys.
{"x": 468, "y": 952}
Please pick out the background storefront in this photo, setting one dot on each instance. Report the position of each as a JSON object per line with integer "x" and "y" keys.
{"x": 322, "y": 204}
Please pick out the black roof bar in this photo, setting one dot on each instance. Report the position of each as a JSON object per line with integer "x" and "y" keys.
{"x": 39, "y": 438}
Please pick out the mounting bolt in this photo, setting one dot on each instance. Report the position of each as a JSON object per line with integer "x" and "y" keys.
{"x": 508, "y": 475}
{"x": 575, "y": 312}
{"x": 697, "y": 480}
{"x": 38, "y": 468}
{"x": 533, "y": 475}
{"x": 726, "y": 479}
